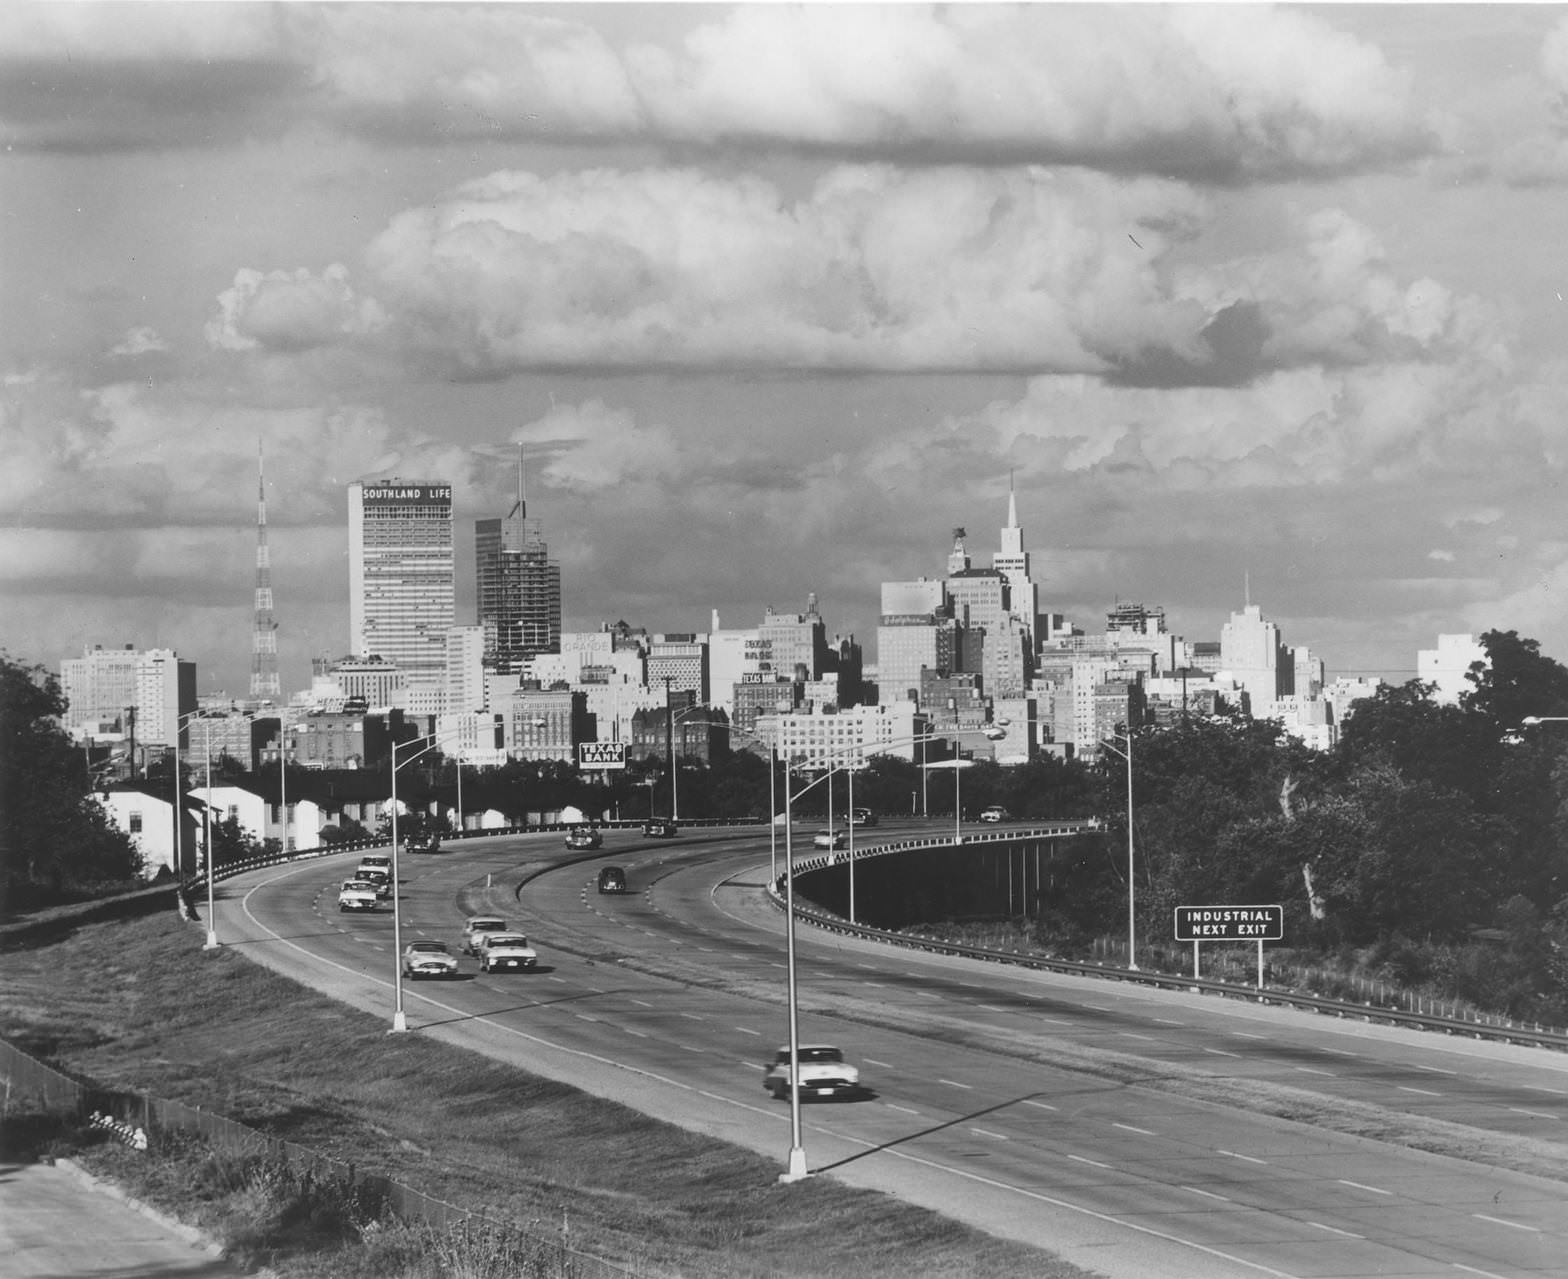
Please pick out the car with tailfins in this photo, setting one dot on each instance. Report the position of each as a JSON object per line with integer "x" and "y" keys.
{"x": 428, "y": 959}
{"x": 830, "y": 839}
{"x": 584, "y": 837}
{"x": 475, "y": 927}
{"x": 823, "y": 1073}
{"x": 358, "y": 894}
{"x": 506, "y": 952}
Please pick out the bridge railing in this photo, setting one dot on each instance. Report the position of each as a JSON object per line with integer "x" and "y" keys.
{"x": 817, "y": 917}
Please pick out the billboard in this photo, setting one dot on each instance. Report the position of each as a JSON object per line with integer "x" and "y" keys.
{"x": 601, "y": 755}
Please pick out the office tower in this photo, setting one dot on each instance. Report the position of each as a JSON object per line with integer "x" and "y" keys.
{"x": 1448, "y": 666}
{"x": 401, "y": 574}
{"x": 683, "y": 660}
{"x": 129, "y": 692}
{"x": 1012, "y": 562}
{"x": 915, "y": 633}
{"x": 795, "y": 642}
{"x": 1252, "y": 654}
{"x": 519, "y": 588}
{"x": 264, "y": 682}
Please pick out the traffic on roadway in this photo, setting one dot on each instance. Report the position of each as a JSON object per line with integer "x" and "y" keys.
{"x": 1134, "y": 1131}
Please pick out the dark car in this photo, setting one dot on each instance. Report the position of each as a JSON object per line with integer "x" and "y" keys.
{"x": 423, "y": 841}
{"x": 612, "y": 879}
{"x": 659, "y": 828}
{"x": 583, "y": 837}
{"x": 862, "y": 817}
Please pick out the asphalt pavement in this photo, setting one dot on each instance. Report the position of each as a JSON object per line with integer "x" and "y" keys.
{"x": 59, "y": 1222}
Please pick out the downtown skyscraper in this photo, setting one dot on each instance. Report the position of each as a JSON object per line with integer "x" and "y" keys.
{"x": 519, "y": 588}
{"x": 402, "y": 574}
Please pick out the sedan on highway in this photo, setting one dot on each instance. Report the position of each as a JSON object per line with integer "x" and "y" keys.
{"x": 823, "y": 1073}
{"x": 506, "y": 952}
{"x": 477, "y": 926}
{"x": 584, "y": 837}
{"x": 659, "y": 828}
{"x": 829, "y": 839}
{"x": 428, "y": 959}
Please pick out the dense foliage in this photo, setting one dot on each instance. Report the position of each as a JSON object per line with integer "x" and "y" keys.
{"x": 56, "y": 844}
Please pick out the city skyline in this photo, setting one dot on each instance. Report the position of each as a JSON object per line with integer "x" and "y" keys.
{"x": 773, "y": 298}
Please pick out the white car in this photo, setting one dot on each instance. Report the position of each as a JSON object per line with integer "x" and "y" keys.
{"x": 510, "y": 951}
{"x": 376, "y": 861}
{"x": 477, "y": 927}
{"x": 428, "y": 959}
{"x": 358, "y": 894}
{"x": 823, "y": 1073}
{"x": 829, "y": 839}
{"x": 996, "y": 813}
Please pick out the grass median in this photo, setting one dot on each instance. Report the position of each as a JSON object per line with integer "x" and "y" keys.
{"x": 138, "y": 1005}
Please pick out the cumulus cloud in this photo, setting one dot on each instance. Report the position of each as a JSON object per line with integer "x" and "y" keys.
{"x": 141, "y": 340}
{"x": 1214, "y": 93}
{"x": 291, "y": 311}
{"x": 875, "y": 268}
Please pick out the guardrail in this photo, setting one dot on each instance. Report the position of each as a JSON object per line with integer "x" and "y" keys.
{"x": 826, "y": 920}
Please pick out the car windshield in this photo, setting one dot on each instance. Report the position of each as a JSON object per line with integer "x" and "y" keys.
{"x": 508, "y": 939}
{"x": 429, "y": 947}
{"x": 814, "y": 1054}
{"x": 486, "y": 925}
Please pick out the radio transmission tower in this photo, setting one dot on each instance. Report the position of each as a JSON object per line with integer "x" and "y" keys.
{"x": 264, "y": 683}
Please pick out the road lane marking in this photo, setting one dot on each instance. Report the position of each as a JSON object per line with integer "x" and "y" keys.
{"x": 1471, "y": 1270}
{"x": 1503, "y": 1221}
{"x": 1435, "y": 1070}
{"x": 1422, "y": 1092}
{"x": 1056, "y": 1021}
{"x": 1095, "y": 1162}
{"x": 1313, "y": 1070}
{"x": 1129, "y": 1128}
{"x": 1220, "y": 1052}
{"x": 986, "y": 1132}
{"x": 694, "y": 1017}
{"x": 584, "y": 1017}
{"x": 690, "y": 1048}
{"x": 1039, "y": 1104}
{"x": 1248, "y": 1158}
{"x": 1534, "y": 1114}
{"x": 1207, "y": 1194}
{"x": 955, "y": 1084}
{"x": 885, "y": 1065}
{"x": 1370, "y": 1189}
{"x": 908, "y": 1110}
{"x": 992, "y": 1008}
{"x": 1560, "y": 1092}
{"x": 641, "y": 1034}
{"x": 1166, "y": 1021}
{"x": 1127, "y": 1034}
{"x": 1334, "y": 1230}
{"x": 951, "y": 1170}
{"x": 1242, "y": 1034}
{"x": 747, "y": 1031}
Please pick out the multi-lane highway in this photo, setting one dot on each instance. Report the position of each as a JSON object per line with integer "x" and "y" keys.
{"x": 1137, "y": 1132}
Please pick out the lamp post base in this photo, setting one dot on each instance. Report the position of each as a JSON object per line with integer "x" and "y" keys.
{"x": 399, "y": 1023}
{"x": 212, "y": 940}
{"x": 797, "y": 1167}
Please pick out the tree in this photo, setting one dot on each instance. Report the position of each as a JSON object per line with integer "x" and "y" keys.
{"x": 1514, "y": 682}
{"x": 56, "y": 843}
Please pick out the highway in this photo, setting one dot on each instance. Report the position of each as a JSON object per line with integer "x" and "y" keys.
{"x": 1135, "y": 1132}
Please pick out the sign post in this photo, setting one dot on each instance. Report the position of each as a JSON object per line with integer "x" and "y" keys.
{"x": 1199, "y": 924}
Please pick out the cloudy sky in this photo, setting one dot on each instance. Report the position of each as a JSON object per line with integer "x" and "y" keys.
{"x": 771, "y": 299}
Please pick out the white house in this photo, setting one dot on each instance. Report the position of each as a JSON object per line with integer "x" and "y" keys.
{"x": 149, "y": 820}
{"x": 262, "y": 819}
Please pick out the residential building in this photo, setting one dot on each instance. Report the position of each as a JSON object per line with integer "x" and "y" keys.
{"x": 401, "y": 574}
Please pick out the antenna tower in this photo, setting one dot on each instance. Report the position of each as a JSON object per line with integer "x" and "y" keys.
{"x": 264, "y": 683}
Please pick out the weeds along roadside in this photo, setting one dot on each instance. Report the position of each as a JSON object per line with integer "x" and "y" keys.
{"x": 138, "y": 1006}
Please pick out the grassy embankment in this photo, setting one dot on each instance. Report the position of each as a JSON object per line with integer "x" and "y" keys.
{"x": 138, "y": 1005}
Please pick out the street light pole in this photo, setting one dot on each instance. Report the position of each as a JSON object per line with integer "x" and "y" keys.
{"x": 1132, "y": 953}
{"x": 206, "y": 813}
{"x": 797, "y": 1151}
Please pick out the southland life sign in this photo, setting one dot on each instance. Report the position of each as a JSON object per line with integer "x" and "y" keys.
{"x": 394, "y": 494}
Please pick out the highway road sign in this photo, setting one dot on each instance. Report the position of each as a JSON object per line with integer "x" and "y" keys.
{"x": 1230, "y": 923}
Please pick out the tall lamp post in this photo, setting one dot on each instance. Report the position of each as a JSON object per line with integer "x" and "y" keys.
{"x": 1132, "y": 954}
{"x": 796, "y": 1169}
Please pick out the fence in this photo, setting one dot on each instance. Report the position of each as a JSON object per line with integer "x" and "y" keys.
{"x": 25, "y": 1077}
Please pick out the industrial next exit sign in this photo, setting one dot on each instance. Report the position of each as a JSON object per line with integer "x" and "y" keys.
{"x": 1230, "y": 923}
